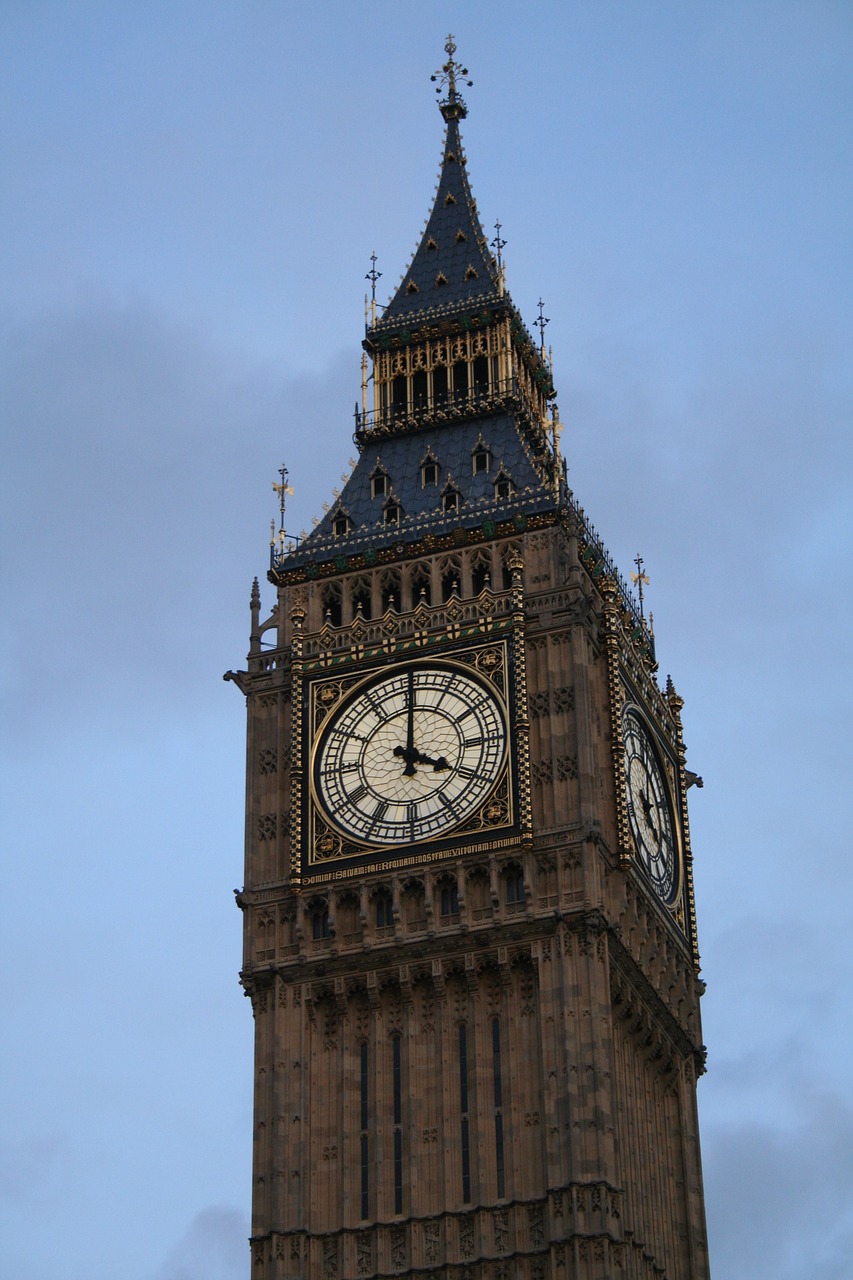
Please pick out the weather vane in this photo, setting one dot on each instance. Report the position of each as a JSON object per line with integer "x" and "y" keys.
{"x": 447, "y": 76}
{"x": 639, "y": 578}
{"x": 540, "y": 325}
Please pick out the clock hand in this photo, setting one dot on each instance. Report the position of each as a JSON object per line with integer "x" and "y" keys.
{"x": 408, "y": 753}
{"x": 647, "y": 814}
{"x": 437, "y": 765}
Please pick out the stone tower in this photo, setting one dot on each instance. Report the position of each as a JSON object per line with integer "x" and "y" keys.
{"x": 470, "y": 938}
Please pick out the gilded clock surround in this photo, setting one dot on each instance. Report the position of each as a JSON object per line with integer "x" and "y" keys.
{"x": 328, "y": 843}
{"x": 476, "y": 1056}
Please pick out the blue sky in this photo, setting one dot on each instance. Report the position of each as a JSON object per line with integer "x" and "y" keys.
{"x": 191, "y": 196}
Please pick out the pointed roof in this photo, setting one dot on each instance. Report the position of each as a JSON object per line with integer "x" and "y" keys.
{"x": 452, "y": 269}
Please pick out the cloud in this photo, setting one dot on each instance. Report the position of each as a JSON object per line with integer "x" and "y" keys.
{"x": 213, "y": 1247}
{"x": 779, "y": 1195}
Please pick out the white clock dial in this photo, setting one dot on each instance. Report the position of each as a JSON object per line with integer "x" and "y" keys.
{"x": 410, "y": 754}
{"x": 649, "y": 808}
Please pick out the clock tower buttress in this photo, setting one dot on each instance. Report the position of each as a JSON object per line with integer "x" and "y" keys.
{"x": 469, "y": 928}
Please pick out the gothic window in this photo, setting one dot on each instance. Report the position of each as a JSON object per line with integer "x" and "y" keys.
{"x": 513, "y": 878}
{"x": 449, "y": 898}
{"x": 481, "y": 572}
{"x": 346, "y": 919}
{"x": 477, "y": 894}
{"x": 497, "y": 1083}
{"x": 390, "y": 590}
{"x": 331, "y": 604}
{"x": 419, "y": 389}
{"x": 439, "y": 384}
{"x": 397, "y": 1086}
{"x": 451, "y": 573}
{"x": 361, "y": 598}
{"x": 383, "y": 910}
{"x": 481, "y": 375}
{"x": 421, "y": 585}
{"x": 413, "y": 905}
{"x": 465, "y": 1149}
{"x": 460, "y": 382}
{"x": 399, "y": 397}
{"x": 320, "y": 927}
{"x": 363, "y": 1121}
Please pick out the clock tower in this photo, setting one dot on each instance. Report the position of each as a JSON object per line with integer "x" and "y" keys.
{"x": 469, "y": 929}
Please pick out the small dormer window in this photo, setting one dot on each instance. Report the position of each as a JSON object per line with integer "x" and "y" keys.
{"x": 503, "y": 486}
{"x": 431, "y": 244}
{"x": 441, "y": 278}
{"x": 411, "y": 287}
{"x": 450, "y": 198}
{"x": 392, "y": 513}
{"x": 379, "y": 483}
{"x": 461, "y": 237}
{"x": 429, "y": 472}
{"x": 340, "y": 524}
{"x": 470, "y": 274}
{"x": 451, "y": 500}
{"x": 481, "y": 457}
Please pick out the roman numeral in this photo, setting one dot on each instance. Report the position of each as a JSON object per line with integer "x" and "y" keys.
{"x": 355, "y": 796}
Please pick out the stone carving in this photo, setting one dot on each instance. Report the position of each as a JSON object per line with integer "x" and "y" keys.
{"x": 432, "y": 1241}
{"x": 398, "y": 1248}
{"x": 466, "y": 1236}
{"x": 267, "y": 826}
{"x": 330, "y": 1259}
{"x": 268, "y": 760}
{"x": 567, "y": 767}
{"x": 364, "y": 1253}
{"x": 542, "y": 772}
{"x": 502, "y": 1231}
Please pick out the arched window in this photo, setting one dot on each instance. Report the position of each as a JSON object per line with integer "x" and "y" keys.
{"x": 514, "y": 885}
{"x": 421, "y": 585}
{"x": 383, "y": 910}
{"x": 449, "y": 899}
{"x": 361, "y": 598}
{"x": 331, "y": 604}
{"x": 320, "y": 927}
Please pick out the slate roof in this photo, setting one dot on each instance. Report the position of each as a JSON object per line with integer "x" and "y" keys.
{"x": 422, "y": 510}
{"x": 452, "y": 269}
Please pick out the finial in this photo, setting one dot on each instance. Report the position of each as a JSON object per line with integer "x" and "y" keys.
{"x": 453, "y": 106}
{"x": 639, "y": 578}
{"x": 498, "y": 244}
{"x": 540, "y": 325}
{"x": 282, "y": 490}
{"x": 373, "y": 275}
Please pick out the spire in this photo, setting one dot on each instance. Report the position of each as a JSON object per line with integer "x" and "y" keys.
{"x": 452, "y": 271}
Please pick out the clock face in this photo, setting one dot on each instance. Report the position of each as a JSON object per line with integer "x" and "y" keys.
{"x": 409, "y": 754}
{"x": 649, "y": 808}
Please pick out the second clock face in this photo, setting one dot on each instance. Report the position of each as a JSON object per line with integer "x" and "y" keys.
{"x": 649, "y": 809}
{"x": 410, "y": 754}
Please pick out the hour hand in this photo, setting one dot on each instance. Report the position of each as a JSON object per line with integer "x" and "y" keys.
{"x": 437, "y": 765}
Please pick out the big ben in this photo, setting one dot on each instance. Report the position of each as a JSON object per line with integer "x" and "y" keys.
{"x": 469, "y": 927}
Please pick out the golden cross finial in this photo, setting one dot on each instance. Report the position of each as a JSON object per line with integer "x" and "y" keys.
{"x": 453, "y": 106}
{"x": 639, "y": 578}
